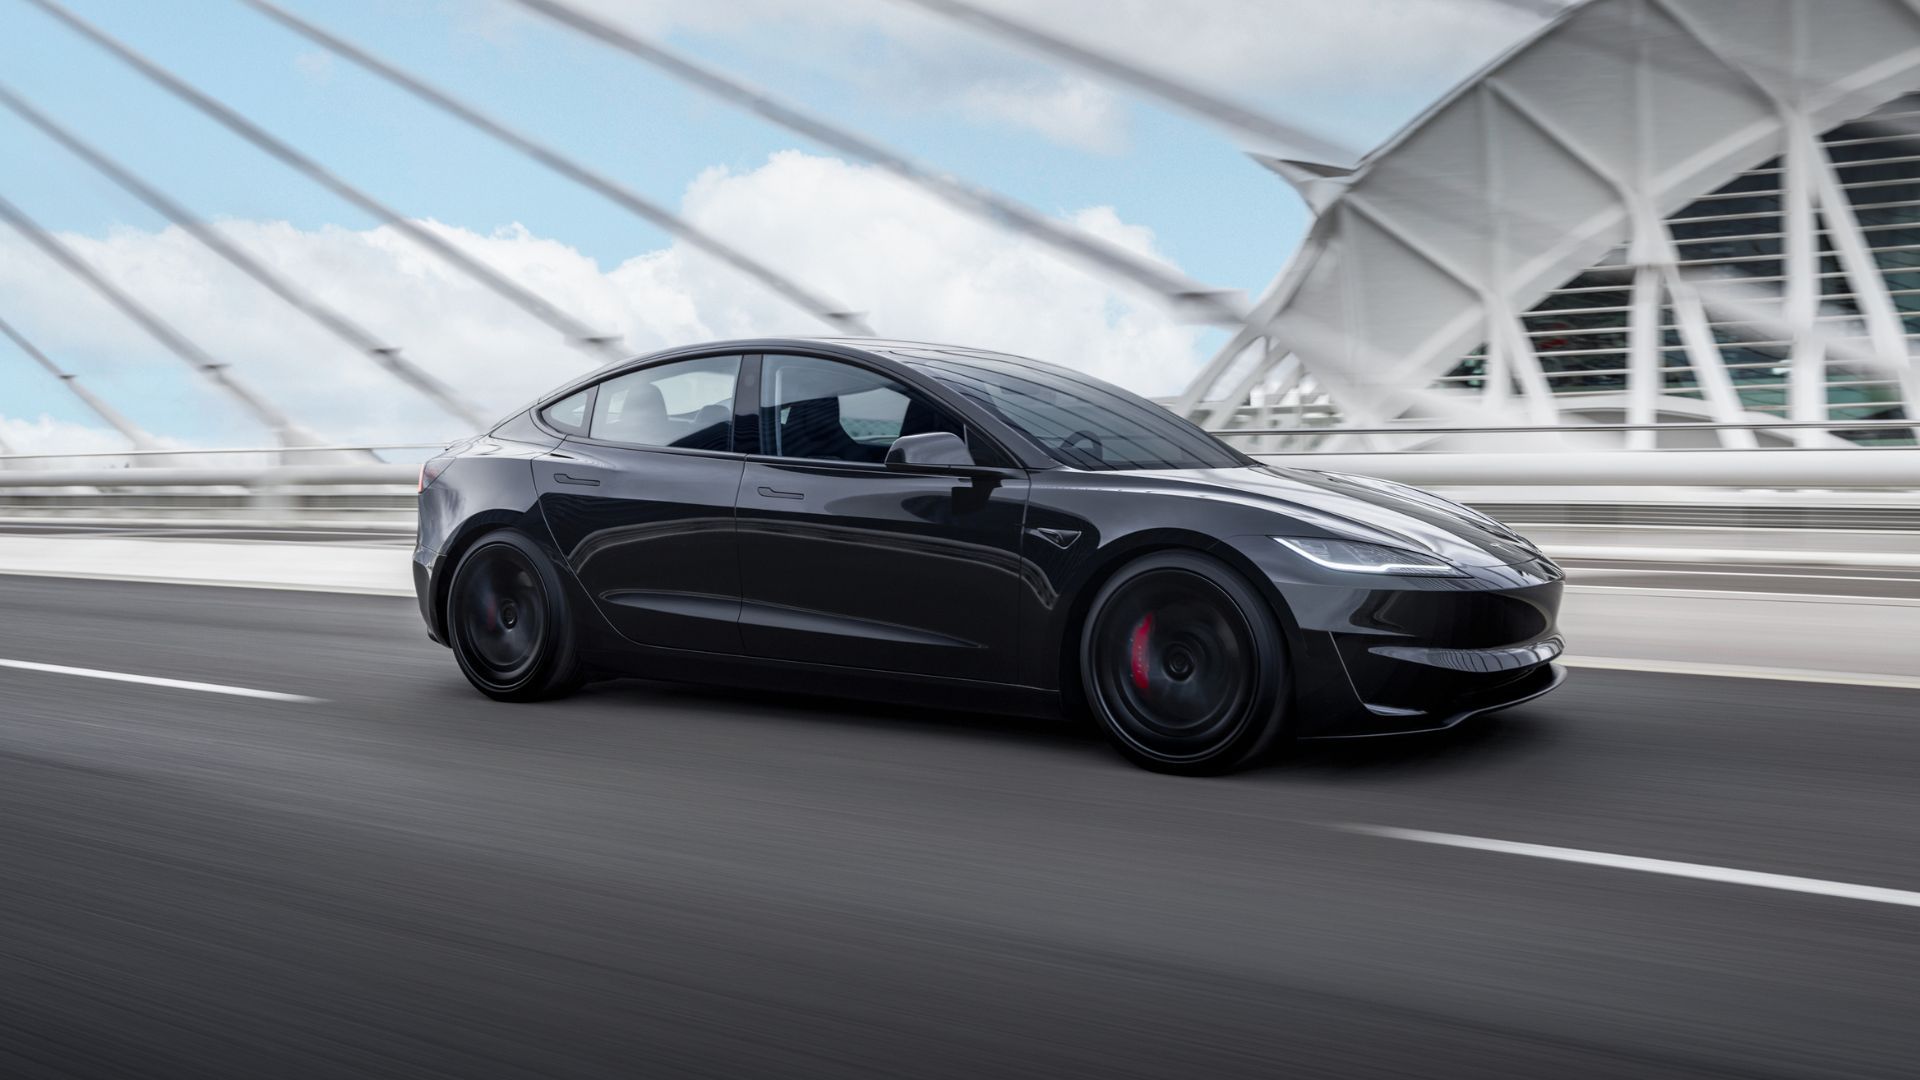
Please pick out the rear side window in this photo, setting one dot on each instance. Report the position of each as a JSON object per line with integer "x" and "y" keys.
{"x": 686, "y": 405}
{"x": 569, "y": 414}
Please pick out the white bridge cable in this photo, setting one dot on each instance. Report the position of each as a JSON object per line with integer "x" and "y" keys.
{"x": 1271, "y": 132}
{"x": 577, "y": 333}
{"x": 156, "y": 327}
{"x": 837, "y": 316}
{"x": 332, "y": 321}
{"x": 134, "y": 433}
{"x": 1208, "y": 303}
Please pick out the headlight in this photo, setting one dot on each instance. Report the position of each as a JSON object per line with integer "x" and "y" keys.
{"x": 1355, "y": 557}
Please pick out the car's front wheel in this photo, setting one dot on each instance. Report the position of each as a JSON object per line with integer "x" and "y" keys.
{"x": 1184, "y": 665}
{"x": 509, "y": 622}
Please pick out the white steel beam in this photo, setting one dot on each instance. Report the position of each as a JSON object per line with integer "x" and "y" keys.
{"x": 157, "y": 328}
{"x": 330, "y": 320}
{"x": 134, "y": 433}
{"x": 1885, "y": 327}
{"x": 1296, "y": 141}
{"x": 1524, "y": 364}
{"x": 1809, "y": 179}
{"x": 1220, "y": 306}
{"x": 1644, "y": 335}
{"x": 577, "y": 333}
{"x": 1807, "y": 364}
{"x": 1703, "y": 355}
{"x": 833, "y": 314}
{"x": 1510, "y": 352}
{"x": 1255, "y": 327}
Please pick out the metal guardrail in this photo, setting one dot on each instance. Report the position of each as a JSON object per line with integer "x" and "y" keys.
{"x": 1896, "y": 468}
{"x": 253, "y": 478}
{"x": 1314, "y": 429}
{"x": 1567, "y": 429}
{"x": 282, "y": 451}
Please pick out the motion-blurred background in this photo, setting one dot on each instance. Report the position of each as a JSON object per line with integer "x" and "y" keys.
{"x": 1640, "y": 277}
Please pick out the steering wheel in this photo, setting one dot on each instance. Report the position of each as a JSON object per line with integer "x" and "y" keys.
{"x": 1095, "y": 448}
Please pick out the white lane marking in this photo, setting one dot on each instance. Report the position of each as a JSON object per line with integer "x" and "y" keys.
{"x": 151, "y": 680}
{"x": 1697, "y": 871}
{"x": 1742, "y": 671}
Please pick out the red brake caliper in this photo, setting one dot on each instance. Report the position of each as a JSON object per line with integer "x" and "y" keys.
{"x": 1137, "y": 655}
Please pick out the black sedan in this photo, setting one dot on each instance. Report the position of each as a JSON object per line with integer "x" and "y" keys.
{"x": 939, "y": 525}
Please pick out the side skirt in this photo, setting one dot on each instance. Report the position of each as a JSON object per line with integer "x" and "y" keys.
{"x": 824, "y": 680}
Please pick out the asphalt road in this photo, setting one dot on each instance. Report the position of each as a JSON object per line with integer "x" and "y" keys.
{"x": 402, "y": 879}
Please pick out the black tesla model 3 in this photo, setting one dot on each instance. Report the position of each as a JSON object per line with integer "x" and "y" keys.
{"x": 930, "y": 524}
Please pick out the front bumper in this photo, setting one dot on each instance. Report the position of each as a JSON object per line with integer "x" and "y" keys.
{"x": 1377, "y": 721}
{"x": 1382, "y": 655}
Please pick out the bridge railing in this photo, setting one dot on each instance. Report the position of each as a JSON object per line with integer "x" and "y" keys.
{"x": 1900, "y": 430}
{"x": 377, "y": 482}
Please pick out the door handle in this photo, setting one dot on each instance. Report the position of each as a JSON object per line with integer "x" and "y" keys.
{"x": 772, "y": 493}
{"x": 583, "y": 481}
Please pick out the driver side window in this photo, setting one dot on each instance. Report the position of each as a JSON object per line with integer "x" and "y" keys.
{"x": 827, "y": 410}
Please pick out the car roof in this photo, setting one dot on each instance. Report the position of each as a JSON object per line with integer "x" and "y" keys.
{"x": 900, "y": 350}
{"x": 926, "y": 349}
{"x": 908, "y": 352}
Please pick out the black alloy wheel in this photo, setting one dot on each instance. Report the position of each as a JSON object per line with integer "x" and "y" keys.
{"x": 509, "y": 623}
{"x": 1184, "y": 665}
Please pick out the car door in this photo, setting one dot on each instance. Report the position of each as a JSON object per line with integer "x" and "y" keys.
{"x": 640, "y": 497}
{"x": 846, "y": 562}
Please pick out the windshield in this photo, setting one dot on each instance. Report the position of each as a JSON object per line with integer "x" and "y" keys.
{"x": 1080, "y": 421}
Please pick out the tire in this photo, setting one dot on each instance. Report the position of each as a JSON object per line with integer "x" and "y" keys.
{"x": 509, "y": 621}
{"x": 1184, "y": 666}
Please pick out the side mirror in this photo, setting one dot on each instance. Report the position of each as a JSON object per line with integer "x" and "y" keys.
{"x": 936, "y": 451}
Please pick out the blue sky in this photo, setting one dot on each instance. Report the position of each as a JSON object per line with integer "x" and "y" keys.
{"x": 904, "y": 78}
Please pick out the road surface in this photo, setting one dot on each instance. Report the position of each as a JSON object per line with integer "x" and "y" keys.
{"x": 374, "y": 872}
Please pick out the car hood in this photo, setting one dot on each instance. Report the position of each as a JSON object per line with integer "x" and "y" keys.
{"x": 1347, "y": 504}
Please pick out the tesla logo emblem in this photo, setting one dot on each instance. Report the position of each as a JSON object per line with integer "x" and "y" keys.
{"x": 1060, "y": 538}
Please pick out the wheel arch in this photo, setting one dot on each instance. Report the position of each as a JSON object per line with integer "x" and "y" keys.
{"x": 468, "y": 532}
{"x": 1109, "y": 561}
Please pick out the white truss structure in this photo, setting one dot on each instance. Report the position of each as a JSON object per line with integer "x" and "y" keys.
{"x": 1651, "y": 210}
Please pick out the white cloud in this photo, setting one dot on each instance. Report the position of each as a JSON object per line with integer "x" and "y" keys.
{"x": 1309, "y": 61}
{"x": 1066, "y": 109}
{"x": 859, "y": 236}
{"x": 43, "y": 433}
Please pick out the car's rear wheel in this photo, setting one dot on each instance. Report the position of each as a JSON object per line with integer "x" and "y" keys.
{"x": 509, "y": 622}
{"x": 1184, "y": 665}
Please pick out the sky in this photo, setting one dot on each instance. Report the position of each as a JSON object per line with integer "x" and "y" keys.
{"x": 1089, "y": 153}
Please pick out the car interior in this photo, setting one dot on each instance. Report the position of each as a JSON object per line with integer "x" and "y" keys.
{"x": 838, "y": 412}
{"x": 633, "y": 411}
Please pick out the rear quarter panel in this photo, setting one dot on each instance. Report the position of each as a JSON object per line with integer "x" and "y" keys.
{"x": 488, "y": 485}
